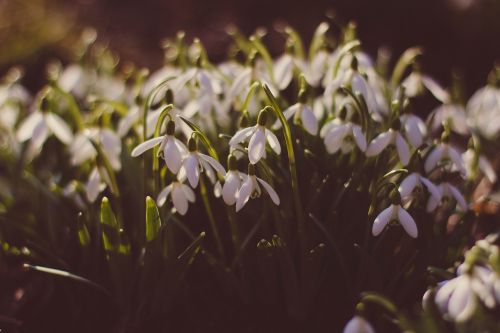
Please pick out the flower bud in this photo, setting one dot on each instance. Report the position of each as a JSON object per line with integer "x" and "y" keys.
{"x": 231, "y": 162}
{"x": 192, "y": 144}
{"x": 170, "y": 127}
{"x": 263, "y": 114}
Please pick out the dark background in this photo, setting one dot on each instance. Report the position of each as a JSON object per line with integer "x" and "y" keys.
{"x": 461, "y": 35}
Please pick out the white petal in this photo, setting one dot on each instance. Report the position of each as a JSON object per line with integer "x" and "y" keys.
{"x": 379, "y": 143}
{"x": 230, "y": 188}
{"x": 214, "y": 163}
{"x": 381, "y": 220}
{"x": 179, "y": 199}
{"x": 358, "y": 325}
{"x": 162, "y": 197}
{"x": 93, "y": 186}
{"x": 257, "y": 146}
{"x": 403, "y": 150}
{"x": 309, "y": 120}
{"x": 407, "y": 222}
{"x": 28, "y": 125}
{"x": 359, "y": 137}
{"x": 288, "y": 113}
{"x": 433, "y": 158}
{"x": 241, "y": 135}
{"x": 141, "y": 148}
{"x": 462, "y": 204}
{"x": 244, "y": 193}
{"x": 188, "y": 192}
{"x": 433, "y": 189}
{"x": 408, "y": 185}
{"x": 413, "y": 126}
{"x": 487, "y": 169}
{"x": 334, "y": 138}
{"x": 39, "y": 135}
{"x": 172, "y": 155}
{"x": 272, "y": 193}
{"x": 462, "y": 302}
{"x": 435, "y": 89}
{"x": 59, "y": 127}
{"x": 456, "y": 159}
{"x": 443, "y": 295}
{"x": 191, "y": 167}
{"x": 273, "y": 142}
{"x": 81, "y": 150}
{"x": 283, "y": 71}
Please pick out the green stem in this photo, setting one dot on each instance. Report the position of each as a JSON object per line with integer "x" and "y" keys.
{"x": 299, "y": 212}
{"x": 73, "y": 107}
{"x": 213, "y": 224}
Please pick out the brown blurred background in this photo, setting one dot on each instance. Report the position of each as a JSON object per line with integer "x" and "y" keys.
{"x": 456, "y": 34}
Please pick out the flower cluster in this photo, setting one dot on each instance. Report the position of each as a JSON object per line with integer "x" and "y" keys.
{"x": 284, "y": 125}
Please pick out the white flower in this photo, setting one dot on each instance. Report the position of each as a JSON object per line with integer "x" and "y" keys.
{"x": 451, "y": 114}
{"x": 39, "y": 125}
{"x": 81, "y": 148}
{"x": 447, "y": 191}
{"x": 259, "y": 135}
{"x": 194, "y": 162}
{"x": 283, "y": 71}
{"x": 444, "y": 151}
{"x": 358, "y": 324}
{"x": 395, "y": 213}
{"x": 315, "y": 69}
{"x": 303, "y": 113}
{"x": 171, "y": 149}
{"x": 415, "y": 180}
{"x": 340, "y": 134}
{"x": 232, "y": 183}
{"x": 181, "y": 196}
{"x": 414, "y": 128}
{"x": 483, "y": 111}
{"x": 98, "y": 179}
{"x": 394, "y": 137}
{"x": 251, "y": 189}
{"x": 469, "y": 159}
{"x": 458, "y": 297}
{"x": 416, "y": 82}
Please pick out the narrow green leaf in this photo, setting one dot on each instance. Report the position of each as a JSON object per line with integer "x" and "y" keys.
{"x": 406, "y": 59}
{"x": 153, "y": 221}
{"x": 110, "y": 227}
{"x": 83, "y": 232}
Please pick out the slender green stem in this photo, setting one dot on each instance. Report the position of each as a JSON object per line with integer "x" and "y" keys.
{"x": 147, "y": 105}
{"x": 211, "y": 218}
{"x": 73, "y": 107}
{"x": 299, "y": 212}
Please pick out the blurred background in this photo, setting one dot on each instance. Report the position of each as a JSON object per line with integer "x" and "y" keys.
{"x": 460, "y": 35}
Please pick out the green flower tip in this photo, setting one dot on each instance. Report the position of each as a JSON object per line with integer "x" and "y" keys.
{"x": 169, "y": 96}
{"x": 192, "y": 144}
{"x": 395, "y": 197}
{"x": 263, "y": 114}
{"x": 251, "y": 169}
{"x": 231, "y": 162}
{"x": 170, "y": 127}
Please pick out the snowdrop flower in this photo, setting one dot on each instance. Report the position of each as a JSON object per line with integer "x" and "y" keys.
{"x": 283, "y": 71}
{"x": 395, "y": 213}
{"x": 459, "y": 297}
{"x": 341, "y": 134}
{"x": 358, "y": 324}
{"x": 232, "y": 183}
{"x": 473, "y": 161}
{"x": 390, "y": 137}
{"x": 40, "y": 124}
{"x": 194, "y": 162}
{"x": 414, "y": 127}
{"x": 483, "y": 108}
{"x": 81, "y": 148}
{"x": 251, "y": 189}
{"x": 414, "y": 181}
{"x": 258, "y": 134}
{"x": 171, "y": 149}
{"x": 301, "y": 113}
{"x": 415, "y": 83}
{"x": 358, "y": 83}
{"x": 447, "y": 192}
{"x": 452, "y": 115}
{"x": 181, "y": 195}
{"x": 97, "y": 182}
{"x": 444, "y": 152}
{"x": 315, "y": 69}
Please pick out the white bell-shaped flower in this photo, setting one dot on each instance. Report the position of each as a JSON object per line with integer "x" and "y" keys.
{"x": 395, "y": 213}
{"x": 251, "y": 189}
{"x": 473, "y": 162}
{"x": 358, "y": 324}
{"x": 341, "y": 134}
{"x": 390, "y": 137}
{"x": 416, "y": 82}
{"x": 301, "y": 113}
{"x": 195, "y": 162}
{"x": 414, "y": 127}
{"x": 452, "y": 115}
{"x": 258, "y": 135}
{"x": 82, "y": 150}
{"x": 483, "y": 109}
{"x": 232, "y": 182}
{"x": 443, "y": 151}
{"x": 448, "y": 192}
{"x": 416, "y": 181}
{"x": 171, "y": 149}
{"x": 181, "y": 195}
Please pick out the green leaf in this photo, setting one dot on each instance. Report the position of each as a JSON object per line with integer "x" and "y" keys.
{"x": 406, "y": 59}
{"x": 110, "y": 227}
{"x": 83, "y": 232}
{"x": 153, "y": 221}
